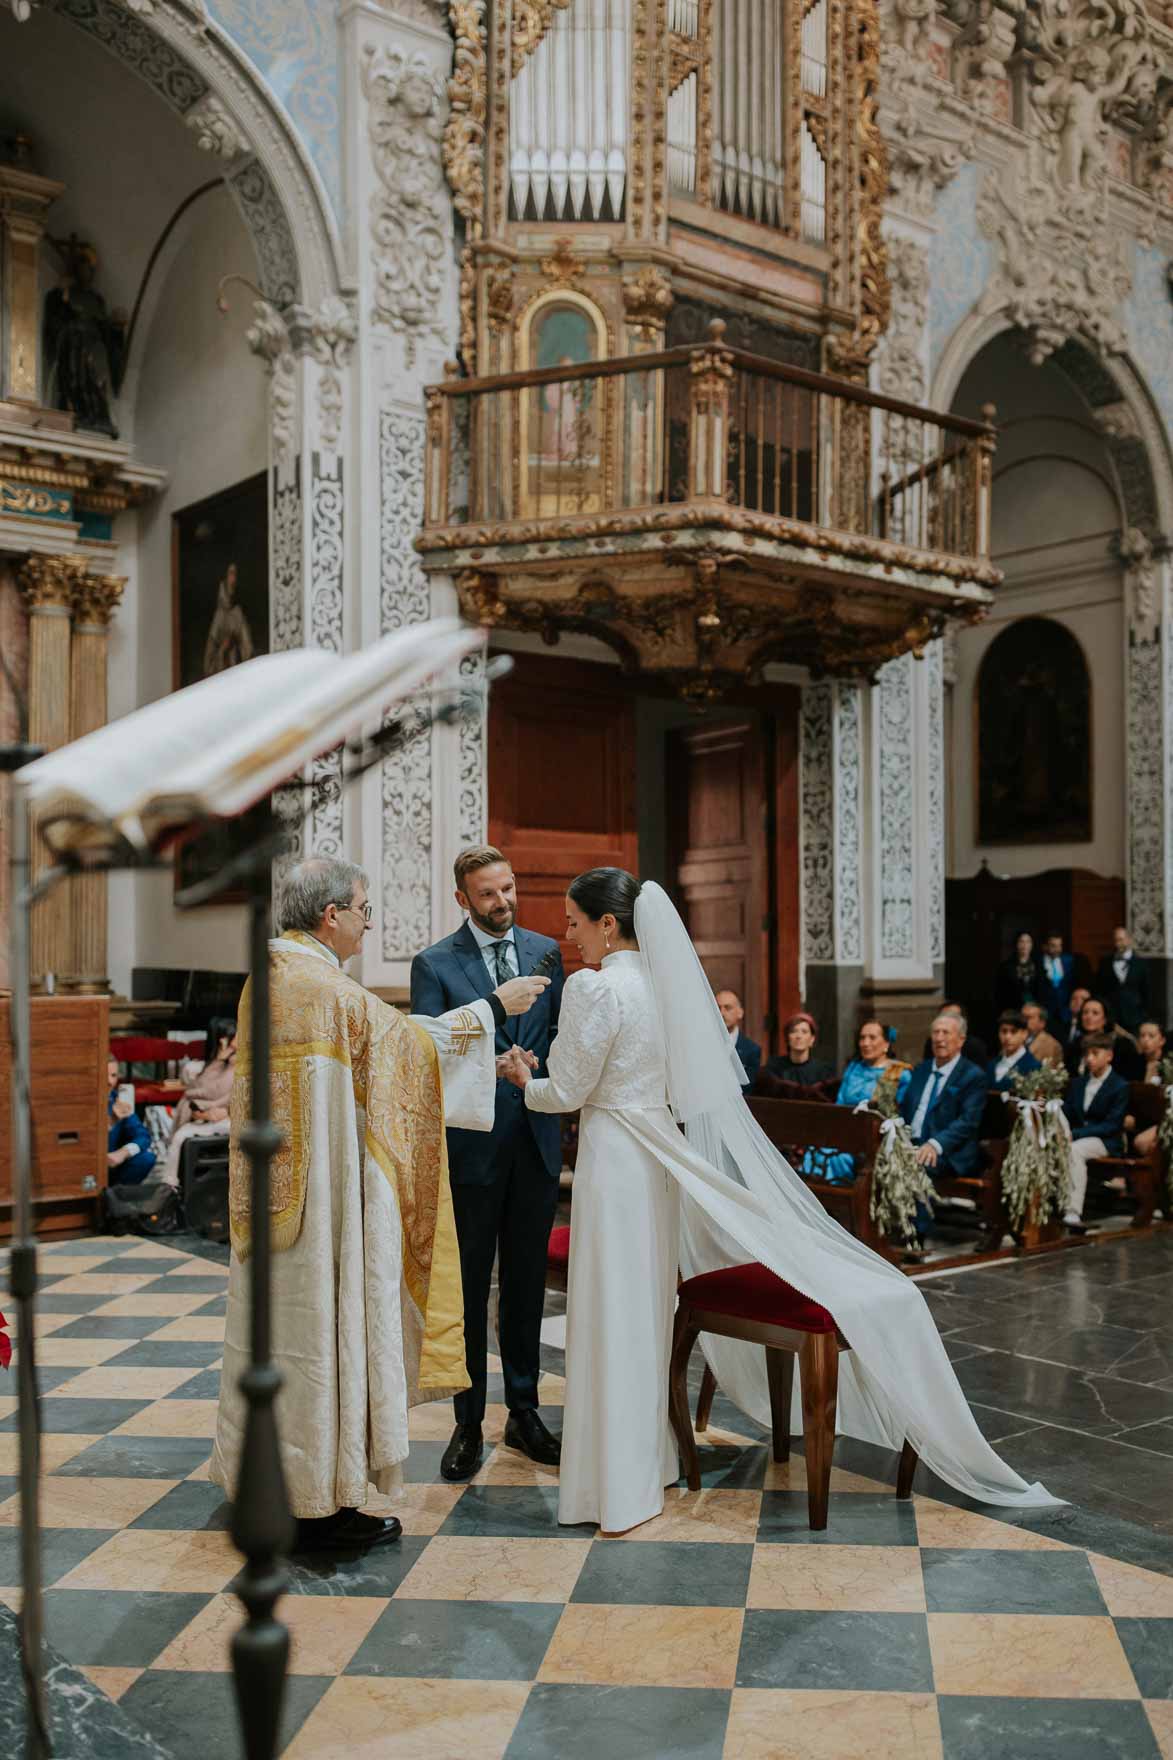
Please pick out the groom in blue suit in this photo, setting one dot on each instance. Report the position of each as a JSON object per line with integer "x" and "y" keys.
{"x": 943, "y": 1107}
{"x": 504, "y": 1182}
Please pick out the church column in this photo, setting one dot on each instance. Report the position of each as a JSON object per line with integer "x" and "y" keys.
{"x": 1148, "y": 695}
{"x": 49, "y": 584}
{"x": 95, "y": 601}
{"x": 831, "y": 729}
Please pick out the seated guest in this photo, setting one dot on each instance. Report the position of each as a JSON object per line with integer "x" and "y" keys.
{"x": 1096, "y": 1104}
{"x": 1072, "y": 1033}
{"x": 943, "y": 1107}
{"x": 1056, "y": 979}
{"x": 732, "y": 1013}
{"x": 1151, "y": 1042}
{"x": 129, "y": 1156}
{"x": 1039, "y": 1042}
{"x": 797, "y": 1065}
{"x": 203, "y": 1110}
{"x": 871, "y": 1065}
{"x": 1019, "y": 979}
{"x": 1015, "y": 1060}
{"x": 1095, "y": 1017}
{"x": 973, "y": 1049}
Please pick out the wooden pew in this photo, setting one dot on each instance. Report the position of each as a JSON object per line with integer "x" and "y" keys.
{"x": 794, "y": 1126}
{"x": 1146, "y": 1105}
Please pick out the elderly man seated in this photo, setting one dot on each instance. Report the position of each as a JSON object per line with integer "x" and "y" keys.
{"x": 1015, "y": 1060}
{"x": 129, "y": 1156}
{"x": 942, "y": 1107}
{"x": 1095, "y": 1105}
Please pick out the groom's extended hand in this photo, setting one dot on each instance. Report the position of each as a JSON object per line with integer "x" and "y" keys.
{"x": 515, "y": 1066}
{"x": 517, "y": 994}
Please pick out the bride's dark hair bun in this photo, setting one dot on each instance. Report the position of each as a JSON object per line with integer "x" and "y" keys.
{"x": 603, "y": 890}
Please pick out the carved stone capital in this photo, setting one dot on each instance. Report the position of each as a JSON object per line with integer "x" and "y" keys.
{"x": 215, "y": 130}
{"x": 96, "y": 598}
{"x": 268, "y": 335}
{"x": 329, "y": 334}
{"x": 562, "y": 266}
{"x": 1141, "y": 599}
{"x": 648, "y": 298}
{"x": 49, "y": 583}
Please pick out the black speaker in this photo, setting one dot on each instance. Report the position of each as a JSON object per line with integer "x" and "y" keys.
{"x": 204, "y": 1177}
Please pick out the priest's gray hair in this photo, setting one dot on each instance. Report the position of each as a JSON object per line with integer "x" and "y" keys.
{"x": 312, "y": 885}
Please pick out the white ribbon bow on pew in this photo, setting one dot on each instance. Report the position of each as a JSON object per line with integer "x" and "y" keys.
{"x": 1037, "y": 1112}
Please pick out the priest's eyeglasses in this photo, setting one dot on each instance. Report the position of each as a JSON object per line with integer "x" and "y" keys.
{"x": 360, "y": 910}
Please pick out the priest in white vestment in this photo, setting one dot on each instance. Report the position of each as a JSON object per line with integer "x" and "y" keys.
{"x": 367, "y": 1302}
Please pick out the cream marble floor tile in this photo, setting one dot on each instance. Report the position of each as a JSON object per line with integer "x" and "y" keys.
{"x": 200, "y": 1268}
{"x": 8, "y": 1404}
{"x": 632, "y": 1646}
{"x": 423, "y": 1509}
{"x": 169, "y": 1306}
{"x": 1029, "y": 1656}
{"x": 360, "y": 1718}
{"x": 778, "y": 1724}
{"x": 79, "y": 1353}
{"x": 203, "y": 1471}
{"x": 939, "y": 1524}
{"x": 56, "y": 1449}
{"x": 729, "y": 1516}
{"x": 12, "y": 1598}
{"x": 461, "y": 1567}
{"x": 435, "y": 1422}
{"x": 791, "y": 1476}
{"x": 90, "y": 1503}
{"x": 552, "y": 1390}
{"x": 129, "y": 1383}
{"x": 172, "y": 1417}
{"x": 325, "y": 1631}
{"x": 67, "y": 1265}
{"x": 851, "y": 1579}
{"x": 493, "y": 1364}
{"x": 158, "y": 1558}
{"x": 209, "y": 1330}
{"x": 111, "y": 1681}
{"x": 160, "y": 1250}
{"x": 101, "y": 1283}
{"x": 508, "y": 1466}
{"x": 1160, "y": 1715}
{"x": 1130, "y": 1592}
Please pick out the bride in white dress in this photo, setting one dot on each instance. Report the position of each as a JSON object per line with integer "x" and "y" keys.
{"x": 642, "y": 1049}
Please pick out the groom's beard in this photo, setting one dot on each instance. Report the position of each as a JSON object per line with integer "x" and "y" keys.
{"x": 497, "y": 922}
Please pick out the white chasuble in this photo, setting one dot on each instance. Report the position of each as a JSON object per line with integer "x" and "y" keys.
{"x": 368, "y": 1312}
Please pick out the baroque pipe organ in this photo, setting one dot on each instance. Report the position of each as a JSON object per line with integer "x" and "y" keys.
{"x": 673, "y": 280}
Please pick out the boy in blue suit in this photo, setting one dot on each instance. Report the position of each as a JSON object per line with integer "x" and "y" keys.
{"x": 1015, "y": 1060}
{"x": 942, "y": 1107}
{"x": 1095, "y": 1105}
{"x": 505, "y": 1182}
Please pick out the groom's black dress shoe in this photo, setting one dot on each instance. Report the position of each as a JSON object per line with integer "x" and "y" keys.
{"x": 464, "y": 1453}
{"x": 525, "y": 1430}
{"x": 345, "y": 1529}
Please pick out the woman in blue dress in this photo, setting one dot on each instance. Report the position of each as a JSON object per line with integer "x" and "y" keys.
{"x": 868, "y": 1068}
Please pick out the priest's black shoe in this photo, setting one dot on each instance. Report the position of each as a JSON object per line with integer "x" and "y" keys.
{"x": 525, "y": 1430}
{"x": 464, "y": 1453}
{"x": 346, "y": 1530}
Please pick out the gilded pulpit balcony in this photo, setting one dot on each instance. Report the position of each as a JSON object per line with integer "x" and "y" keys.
{"x": 705, "y": 511}
{"x": 673, "y": 279}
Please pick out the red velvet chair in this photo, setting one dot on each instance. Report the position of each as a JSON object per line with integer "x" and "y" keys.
{"x": 558, "y": 1258}
{"x": 160, "y": 1052}
{"x": 749, "y": 1302}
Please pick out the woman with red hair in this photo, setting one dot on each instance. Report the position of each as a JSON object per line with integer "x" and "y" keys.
{"x": 797, "y": 1063}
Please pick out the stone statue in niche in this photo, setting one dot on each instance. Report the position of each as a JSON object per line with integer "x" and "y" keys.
{"x": 1034, "y": 737}
{"x": 84, "y": 344}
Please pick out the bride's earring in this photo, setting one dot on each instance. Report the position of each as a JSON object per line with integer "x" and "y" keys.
{"x": 606, "y": 940}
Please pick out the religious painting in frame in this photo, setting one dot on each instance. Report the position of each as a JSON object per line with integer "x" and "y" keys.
{"x": 220, "y": 617}
{"x": 1034, "y": 736}
{"x": 563, "y": 424}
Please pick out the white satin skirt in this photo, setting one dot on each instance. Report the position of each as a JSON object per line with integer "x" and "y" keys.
{"x": 618, "y": 1450}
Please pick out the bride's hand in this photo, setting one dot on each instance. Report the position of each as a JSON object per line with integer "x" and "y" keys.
{"x": 514, "y": 1067}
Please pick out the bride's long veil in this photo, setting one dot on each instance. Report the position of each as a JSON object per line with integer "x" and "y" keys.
{"x": 897, "y": 1381}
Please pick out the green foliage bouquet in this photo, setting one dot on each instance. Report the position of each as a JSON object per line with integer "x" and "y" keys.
{"x": 899, "y": 1181}
{"x": 1165, "y": 1128}
{"x": 1037, "y": 1171}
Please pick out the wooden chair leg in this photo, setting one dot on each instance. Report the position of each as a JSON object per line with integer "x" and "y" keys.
{"x": 908, "y": 1465}
{"x": 704, "y": 1399}
{"x": 819, "y": 1365}
{"x": 684, "y": 1336}
{"x": 780, "y": 1375}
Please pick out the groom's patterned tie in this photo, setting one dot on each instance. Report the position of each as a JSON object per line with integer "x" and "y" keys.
{"x": 501, "y": 956}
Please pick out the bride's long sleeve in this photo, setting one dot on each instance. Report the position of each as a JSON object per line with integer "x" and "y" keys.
{"x": 587, "y": 1025}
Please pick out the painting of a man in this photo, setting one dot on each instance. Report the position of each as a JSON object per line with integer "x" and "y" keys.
{"x": 230, "y": 639}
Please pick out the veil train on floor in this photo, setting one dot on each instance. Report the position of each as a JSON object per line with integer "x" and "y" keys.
{"x": 742, "y": 1200}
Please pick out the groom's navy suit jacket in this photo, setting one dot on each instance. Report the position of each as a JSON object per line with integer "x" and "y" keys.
{"x": 452, "y": 973}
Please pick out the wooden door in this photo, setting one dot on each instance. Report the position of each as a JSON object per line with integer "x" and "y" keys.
{"x": 561, "y": 781}
{"x": 733, "y": 837}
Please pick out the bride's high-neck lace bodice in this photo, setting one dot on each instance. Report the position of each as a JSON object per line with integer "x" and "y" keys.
{"x": 609, "y": 1050}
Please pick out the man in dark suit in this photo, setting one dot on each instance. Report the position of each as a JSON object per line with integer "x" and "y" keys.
{"x": 1123, "y": 982}
{"x": 1095, "y": 1105}
{"x": 1015, "y": 1060}
{"x": 504, "y": 1182}
{"x": 1056, "y": 980}
{"x": 973, "y": 1049}
{"x": 750, "y": 1053}
{"x": 942, "y": 1107}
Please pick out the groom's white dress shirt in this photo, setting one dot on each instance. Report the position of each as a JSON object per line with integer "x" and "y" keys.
{"x": 487, "y": 945}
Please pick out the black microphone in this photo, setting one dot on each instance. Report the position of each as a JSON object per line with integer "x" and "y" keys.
{"x": 546, "y": 965}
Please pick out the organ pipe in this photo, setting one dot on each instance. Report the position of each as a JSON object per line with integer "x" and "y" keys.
{"x": 748, "y": 101}
{"x": 568, "y": 114}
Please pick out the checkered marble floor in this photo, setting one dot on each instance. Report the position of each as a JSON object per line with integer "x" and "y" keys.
{"x": 725, "y": 1628}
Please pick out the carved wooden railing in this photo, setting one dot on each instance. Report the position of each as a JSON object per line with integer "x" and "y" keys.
{"x": 708, "y": 424}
